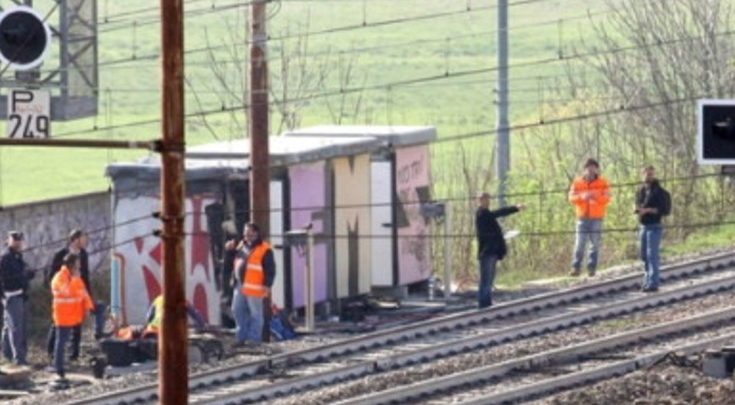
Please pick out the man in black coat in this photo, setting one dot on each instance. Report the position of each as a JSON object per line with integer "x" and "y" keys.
{"x": 490, "y": 244}
{"x": 77, "y": 244}
{"x": 650, "y": 206}
{"x": 14, "y": 281}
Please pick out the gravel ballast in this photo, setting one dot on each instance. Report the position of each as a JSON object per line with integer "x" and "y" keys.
{"x": 494, "y": 355}
{"x": 371, "y": 384}
{"x": 662, "y": 385}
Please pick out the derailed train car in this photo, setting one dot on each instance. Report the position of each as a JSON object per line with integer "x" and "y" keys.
{"x": 360, "y": 187}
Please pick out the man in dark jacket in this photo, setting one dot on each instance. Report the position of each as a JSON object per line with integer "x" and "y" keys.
{"x": 14, "y": 280}
{"x": 650, "y": 204}
{"x": 77, "y": 244}
{"x": 490, "y": 245}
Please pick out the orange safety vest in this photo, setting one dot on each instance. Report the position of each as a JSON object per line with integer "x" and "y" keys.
{"x": 595, "y": 207}
{"x": 71, "y": 299}
{"x": 254, "y": 283}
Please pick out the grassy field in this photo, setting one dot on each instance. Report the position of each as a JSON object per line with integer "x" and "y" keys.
{"x": 377, "y": 53}
{"x": 407, "y": 50}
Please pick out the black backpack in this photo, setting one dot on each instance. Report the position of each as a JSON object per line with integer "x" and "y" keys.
{"x": 666, "y": 202}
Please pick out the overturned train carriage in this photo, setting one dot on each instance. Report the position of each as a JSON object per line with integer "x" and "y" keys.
{"x": 360, "y": 187}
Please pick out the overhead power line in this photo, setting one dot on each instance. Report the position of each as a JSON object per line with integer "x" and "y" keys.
{"x": 525, "y": 233}
{"x": 581, "y": 117}
{"x": 155, "y": 10}
{"x": 134, "y": 60}
{"x": 537, "y": 193}
{"x": 332, "y": 30}
{"x": 112, "y": 26}
{"x": 399, "y": 83}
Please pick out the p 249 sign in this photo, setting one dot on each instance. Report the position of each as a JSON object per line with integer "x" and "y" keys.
{"x": 29, "y": 114}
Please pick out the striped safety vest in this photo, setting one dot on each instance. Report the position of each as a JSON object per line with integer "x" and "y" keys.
{"x": 254, "y": 283}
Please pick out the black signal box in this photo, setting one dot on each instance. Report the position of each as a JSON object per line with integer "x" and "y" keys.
{"x": 716, "y": 132}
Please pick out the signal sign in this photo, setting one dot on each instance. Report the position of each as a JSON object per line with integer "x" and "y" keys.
{"x": 24, "y": 38}
{"x": 716, "y": 132}
{"x": 29, "y": 114}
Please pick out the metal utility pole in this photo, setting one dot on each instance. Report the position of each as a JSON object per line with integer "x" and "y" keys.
{"x": 246, "y": 79}
{"x": 502, "y": 144}
{"x": 447, "y": 252}
{"x": 172, "y": 343}
{"x": 259, "y": 153}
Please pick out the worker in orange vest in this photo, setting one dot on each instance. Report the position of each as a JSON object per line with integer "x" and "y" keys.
{"x": 70, "y": 302}
{"x": 253, "y": 273}
{"x": 590, "y": 195}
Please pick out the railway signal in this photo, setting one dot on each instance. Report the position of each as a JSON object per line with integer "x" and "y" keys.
{"x": 25, "y": 38}
{"x": 716, "y": 132}
{"x": 69, "y": 57}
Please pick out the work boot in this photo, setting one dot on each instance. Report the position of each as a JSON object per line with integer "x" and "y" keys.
{"x": 574, "y": 273}
{"x": 591, "y": 272}
{"x": 60, "y": 383}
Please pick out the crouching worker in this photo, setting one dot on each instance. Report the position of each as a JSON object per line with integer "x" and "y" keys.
{"x": 137, "y": 343}
{"x": 154, "y": 318}
{"x": 70, "y": 302}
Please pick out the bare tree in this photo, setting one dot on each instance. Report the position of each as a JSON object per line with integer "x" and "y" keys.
{"x": 348, "y": 105}
{"x": 298, "y": 75}
{"x": 670, "y": 52}
{"x": 684, "y": 54}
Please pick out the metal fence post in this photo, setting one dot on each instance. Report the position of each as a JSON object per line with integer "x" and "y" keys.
{"x": 309, "y": 284}
{"x": 447, "y": 252}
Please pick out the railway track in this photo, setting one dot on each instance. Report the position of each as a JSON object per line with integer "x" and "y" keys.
{"x": 305, "y": 369}
{"x": 497, "y": 378}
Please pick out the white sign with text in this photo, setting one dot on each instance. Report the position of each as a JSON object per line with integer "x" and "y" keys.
{"x": 29, "y": 114}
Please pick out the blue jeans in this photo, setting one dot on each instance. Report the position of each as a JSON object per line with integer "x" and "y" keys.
{"x": 62, "y": 336}
{"x": 487, "y": 276}
{"x": 650, "y": 245}
{"x": 99, "y": 326}
{"x": 248, "y": 314}
{"x": 14, "y": 329}
{"x": 587, "y": 230}
{"x": 100, "y": 310}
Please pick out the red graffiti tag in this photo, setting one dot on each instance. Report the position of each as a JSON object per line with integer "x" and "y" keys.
{"x": 153, "y": 287}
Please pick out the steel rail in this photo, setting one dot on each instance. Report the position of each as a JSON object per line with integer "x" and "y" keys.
{"x": 546, "y": 358}
{"x": 244, "y": 394}
{"x": 394, "y": 335}
{"x": 604, "y": 372}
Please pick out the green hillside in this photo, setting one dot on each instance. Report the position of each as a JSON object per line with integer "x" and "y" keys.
{"x": 413, "y": 48}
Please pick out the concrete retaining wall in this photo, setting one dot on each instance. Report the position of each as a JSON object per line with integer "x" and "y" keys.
{"x": 46, "y": 225}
